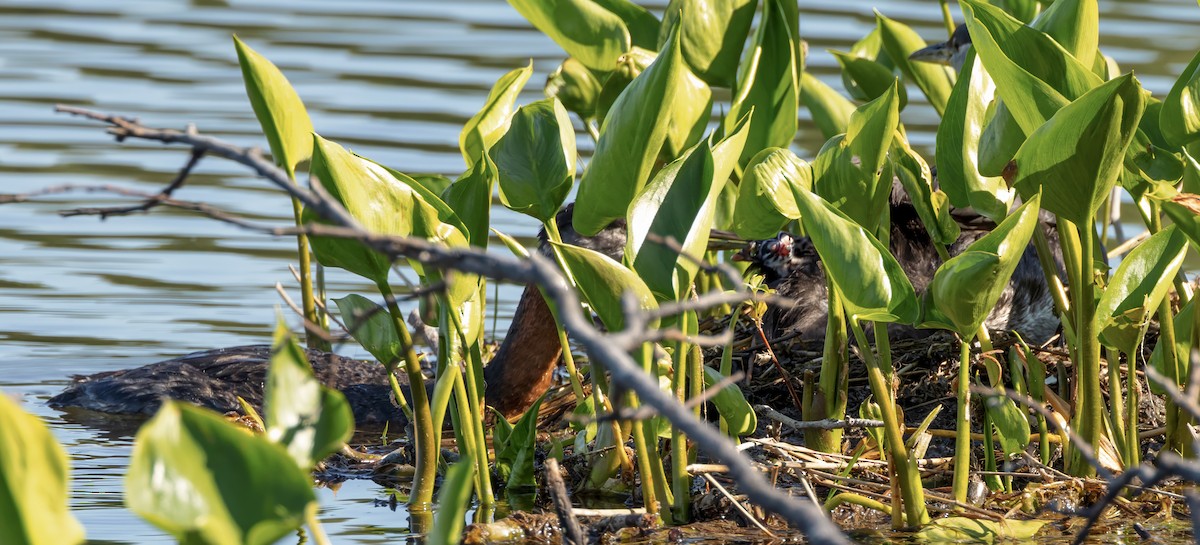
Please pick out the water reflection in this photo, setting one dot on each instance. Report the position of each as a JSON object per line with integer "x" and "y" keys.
{"x": 394, "y": 80}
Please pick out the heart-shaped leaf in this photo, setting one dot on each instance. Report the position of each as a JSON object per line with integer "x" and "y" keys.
{"x": 1137, "y": 287}
{"x": 371, "y": 325}
{"x": 867, "y": 79}
{"x": 1180, "y": 115}
{"x": 470, "y": 196}
{"x": 535, "y": 159}
{"x": 575, "y": 86}
{"x": 604, "y": 282}
{"x": 933, "y": 207}
{"x": 33, "y": 486}
{"x": 731, "y": 404}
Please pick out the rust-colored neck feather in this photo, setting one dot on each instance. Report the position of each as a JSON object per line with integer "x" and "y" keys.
{"x": 523, "y": 367}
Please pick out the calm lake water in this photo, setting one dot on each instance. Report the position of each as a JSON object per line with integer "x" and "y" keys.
{"x": 394, "y": 80}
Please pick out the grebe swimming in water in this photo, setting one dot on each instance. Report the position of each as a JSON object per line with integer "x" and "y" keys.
{"x": 524, "y": 365}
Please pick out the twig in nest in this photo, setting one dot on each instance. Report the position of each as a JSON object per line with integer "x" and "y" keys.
{"x": 572, "y": 532}
{"x": 737, "y": 504}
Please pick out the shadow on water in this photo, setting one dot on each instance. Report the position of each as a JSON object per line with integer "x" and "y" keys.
{"x": 393, "y": 79}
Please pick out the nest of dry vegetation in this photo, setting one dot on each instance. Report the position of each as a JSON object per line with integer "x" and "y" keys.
{"x": 926, "y": 371}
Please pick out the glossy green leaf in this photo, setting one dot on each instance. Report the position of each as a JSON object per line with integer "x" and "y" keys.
{"x": 848, "y": 168}
{"x": 310, "y": 420}
{"x": 514, "y": 463}
{"x": 691, "y": 111}
{"x": 33, "y": 482}
{"x": 604, "y": 282}
{"x": 731, "y": 404}
{"x": 830, "y": 111}
{"x": 967, "y": 287}
{"x": 643, "y": 26}
{"x": 583, "y": 28}
{"x": 575, "y": 86}
{"x": 768, "y": 85}
{"x": 470, "y": 196}
{"x": 867, "y": 79}
{"x": 454, "y": 499}
{"x": 1075, "y": 157}
{"x": 964, "y": 529}
{"x": 933, "y": 207}
{"x": 899, "y": 41}
{"x": 714, "y": 34}
{"x": 1137, "y": 287}
{"x": 190, "y": 472}
{"x": 766, "y": 199}
{"x": 1180, "y": 115}
{"x": 1075, "y": 25}
{"x": 680, "y": 204}
{"x": 535, "y": 159}
{"x": 491, "y": 122}
{"x": 280, "y": 112}
{"x": 371, "y": 325}
{"x": 630, "y": 138}
{"x": 629, "y": 67}
{"x": 872, "y": 284}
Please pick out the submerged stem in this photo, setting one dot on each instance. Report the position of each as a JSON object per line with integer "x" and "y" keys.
{"x": 423, "y": 439}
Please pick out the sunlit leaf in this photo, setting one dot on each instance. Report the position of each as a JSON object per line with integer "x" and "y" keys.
{"x": 872, "y": 284}
{"x": 470, "y": 196}
{"x": 830, "y": 111}
{"x": 575, "y": 86}
{"x": 454, "y": 499}
{"x": 933, "y": 207}
{"x": 766, "y": 199}
{"x": 630, "y": 139}
{"x": 190, "y": 472}
{"x": 604, "y": 282}
{"x": 768, "y": 85}
{"x": 867, "y": 79}
{"x": 964, "y": 529}
{"x": 1075, "y": 157}
{"x": 535, "y": 159}
{"x": 490, "y": 123}
{"x": 33, "y": 482}
{"x": 1137, "y": 287}
{"x": 1180, "y": 115}
{"x": 847, "y": 171}
{"x": 714, "y": 33}
{"x": 371, "y": 325}
{"x": 1012, "y": 425}
{"x": 583, "y": 28}
{"x": 899, "y": 41}
{"x": 310, "y": 420}
{"x": 643, "y": 26}
{"x": 731, "y": 404}
{"x": 280, "y": 112}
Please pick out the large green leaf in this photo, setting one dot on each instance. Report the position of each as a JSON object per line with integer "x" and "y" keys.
{"x": 731, "y": 404}
{"x": 1012, "y": 424}
{"x": 575, "y": 86}
{"x": 768, "y": 84}
{"x": 630, "y": 139}
{"x": 964, "y": 529}
{"x": 470, "y": 196}
{"x": 766, "y": 199}
{"x": 680, "y": 204}
{"x": 205, "y": 480}
{"x": 535, "y": 159}
{"x": 899, "y": 41}
{"x": 583, "y": 28}
{"x": 604, "y": 282}
{"x": 933, "y": 207}
{"x": 371, "y": 325}
{"x": 490, "y": 123}
{"x": 308, "y": 419}
{"x": 847, "y": 171}
{"x": 1075, "y": 157}
{"x": 867, "y": 79}
{"x": 714, "y": 33}
{"x": 1137, "y": 287}
{"x": 33, "y": 482}
{"x": 1180, "y": 114}
{"x": 280, "y": 112}
{"x": 961, "y": 137}
{"x": 830, "y": 111}
{"x": 643, "y": 26}
{"x": 872, "y": 284}
{"x": 966, "y": 288}
{"x": 454, "y": 499}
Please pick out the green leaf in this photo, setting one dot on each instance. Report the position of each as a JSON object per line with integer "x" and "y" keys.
{"x": 190, "y": 473}
{"x": 847, "y": 170}
{"x": 714, "y": 33}
{"x": 371, "y": 325}
{"x": 963, "y": 529}
{"x": 1183, "y": 345}
{"x": 1180, "y": 114}
{"x": 308, "y": 419}
{"x": 691, "y": 110}
{"x": 872, "y": 284}
{"x": 33, "y": 482}
{"x": 453, "y": 501}
{"x": 680, "y": 203}
{"x": 867, "y": 79}
{"x": 575, "y": 86}
{"x": 604, "y": 282}
{"x": 1012, "y": 425}
{"x": 643, "y": 26}
{"x": 962, "y": 140}
{"x": 830, "y": 111}
{"x": 1075, "y": 157}
{"x": 470, "y": 196}
{"x": 491, "y": 122}
{"x": 518, "y": 452}
{"x": 583, "y": 28}
{"x": 1137, "y": 287}
{"x": 280, "y": 112}
{"x": 968, "y": 286}
{"x": 766, "y": 196}
{"x": 899, "y": 41}
{"x": 768, "y": 85}
{"x": 630, "y": 138}
{"x": 535, "y": 159}
{"x": 731, "y": 404}
{"x": 933, "y": 207}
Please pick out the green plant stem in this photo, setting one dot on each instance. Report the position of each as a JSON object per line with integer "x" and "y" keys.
{"x": 962, "y": 435}
{"x": 307, "y": 301}
{"x": 851, "y": 498}
{"x": 1116, "y": 401}
{"x": 654, "y": 479}
{"x": 314, "y": 525}
{"x": 680, "y": 480}
{"x": 474, "y": 398}
{"x": 916, "y": 514}
{"x": 726, "y": 367}
{"x": 568, "y": 359}
{"x": 1050, "y": 270}
{"x": 1177, "y": 433}
{"x": 947, "y": 18}
{"x": 1089, "y": 407}
{"x": 829, "y": 401}
{"x": 425, "y": 446}
{"x": 989, "y": 449}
